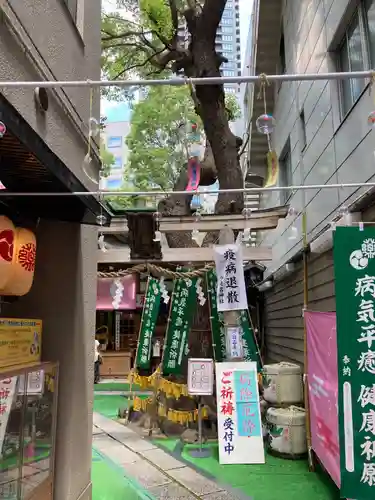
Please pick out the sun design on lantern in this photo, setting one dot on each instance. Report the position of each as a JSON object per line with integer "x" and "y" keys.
{"x": 26, "y": 256}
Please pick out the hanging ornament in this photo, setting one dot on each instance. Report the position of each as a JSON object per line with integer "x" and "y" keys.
{"x": 157, "y": 216}
{"x": 94, "y": 127}
{"x": 371, "y": 119}
{"x": 157, "y": 236}
{"x": 195, "y": 235}
{"x": 265, "y": 124}
{"x": 101, "y": 219}
{"x": 89, "y": 167}
{"x": 200, "y": 293}
{"x": 246, "y": 212}
{"x": 163, "y": 290}
{"x": 292, "y": 212}
{"x": 3, "y": 130}
{"x": 345, "y": 215}
{"x": 101, "y": 243}
{"x": 293, "y": 233}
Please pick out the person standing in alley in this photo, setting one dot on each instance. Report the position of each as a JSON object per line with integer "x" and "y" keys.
{"x": 97, "y": 362}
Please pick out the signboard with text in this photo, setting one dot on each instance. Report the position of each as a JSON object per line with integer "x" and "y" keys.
{"x": 20, "y": 341}
{"x": 200, "y": 376}
{"x": 354, "y": 264}
{"x": 231, "y": 290}
{"x": 239, "y": 421}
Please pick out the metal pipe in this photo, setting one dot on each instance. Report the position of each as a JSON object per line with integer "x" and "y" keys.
{"x": 219, "y": 80}
{"x": 102, "y": 194}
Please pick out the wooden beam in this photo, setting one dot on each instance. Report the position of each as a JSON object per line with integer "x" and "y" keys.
{"x": 113, "y": 256}
{"x": 260, "y": 220}
{"x": 216, "y": 225}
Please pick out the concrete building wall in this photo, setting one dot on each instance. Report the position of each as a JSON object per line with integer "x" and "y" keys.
{"x": 40, "y": 40}
{"x": 338, "y": 148}
{"x": 64, "y": 297}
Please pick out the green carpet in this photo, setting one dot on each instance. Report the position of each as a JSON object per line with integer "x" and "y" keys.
{"x": 117, "y": 386}
{"x": 168, "y": 444}
{"x": 109, "y": 482}
{"x": 108, "y": 405}
{"x": 277, "y": 479}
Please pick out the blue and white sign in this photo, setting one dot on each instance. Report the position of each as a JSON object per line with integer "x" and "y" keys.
{"x": 238, "y": 413}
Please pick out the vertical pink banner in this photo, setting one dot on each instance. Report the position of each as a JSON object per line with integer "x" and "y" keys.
{"x": 323, "y": 389}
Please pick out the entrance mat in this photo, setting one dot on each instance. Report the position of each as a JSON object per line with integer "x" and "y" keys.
{"x": 277, "y": 479}
{"x": 110, "y": 483}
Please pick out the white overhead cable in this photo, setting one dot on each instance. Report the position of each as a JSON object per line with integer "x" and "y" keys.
{"x": 102, "y": 194}
{"x": 195, "y": 81}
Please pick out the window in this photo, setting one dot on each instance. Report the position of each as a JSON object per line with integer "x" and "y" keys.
{"x": 230, "y": 90}
{"x": 227, "y": 13}
{"x": 226, "y": 29}
{"x": 113, "y": 184}
{"x": 227, "y": 38}
{"x": 228, "y": 56}
{"x": 285, "y": 173}
{"x": 227, "y": 46}
{"x": 114, "y": 142}
{"x": 303, "y": 130}
{"x": 228, "y": 65}
{"x": 225, "y": 20}
{"x": 117, "y": 162}
{"x": 72, "y": 7}
{"x": 228, "y": 73}
{"x": 357, "y": 52}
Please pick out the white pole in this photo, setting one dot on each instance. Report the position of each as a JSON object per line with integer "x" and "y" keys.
{"x": 195, "y": 81}
{"x": 102, "y": 194}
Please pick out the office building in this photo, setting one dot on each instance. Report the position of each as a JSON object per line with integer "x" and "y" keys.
{"x": 117, "y": 127}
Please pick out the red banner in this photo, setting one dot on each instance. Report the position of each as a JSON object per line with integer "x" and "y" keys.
{"x": 323, "y": 389}
{"x": 194, "y": 175}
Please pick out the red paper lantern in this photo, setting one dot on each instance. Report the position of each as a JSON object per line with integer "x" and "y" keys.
{"x": 7, "y": 239}
{"x": 23, "y": 264}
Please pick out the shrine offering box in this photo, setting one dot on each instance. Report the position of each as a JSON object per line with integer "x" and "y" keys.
{"x": 28, "y": 402}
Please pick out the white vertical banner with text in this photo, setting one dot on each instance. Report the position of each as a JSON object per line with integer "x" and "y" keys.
{"x": 238, "y": 413}
{"x": 7, "y": 391}
{"x": 231, "y": 290}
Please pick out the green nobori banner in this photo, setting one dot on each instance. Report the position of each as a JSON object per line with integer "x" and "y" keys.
{"x": 354, "y": 264}
{"x": 250, "y": 345}
{"x": 184, "y": 302}
{"x": 216, "y": 319}
{"x": 148, "y": 322}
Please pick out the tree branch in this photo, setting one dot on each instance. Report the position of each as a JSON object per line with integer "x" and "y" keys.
{"x": 210, "y": 18}
{"x": 174, "y": 14}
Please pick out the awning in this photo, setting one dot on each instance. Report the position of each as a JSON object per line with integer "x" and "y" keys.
{"x": 116, "y": 293}
{"x": 27, "y": 165}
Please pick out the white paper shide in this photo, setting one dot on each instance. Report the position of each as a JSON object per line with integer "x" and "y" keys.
{"x": 231, "y": 290}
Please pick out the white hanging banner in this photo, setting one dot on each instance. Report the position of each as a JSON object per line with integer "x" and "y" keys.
{"x": 231, "y": 290}
{"x": 7, "y": 392}
{"x": 238, "y": 413}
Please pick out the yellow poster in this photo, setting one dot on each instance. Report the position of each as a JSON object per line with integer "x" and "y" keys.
{"x": 273, "y": 169}
{"x": 20, "y": 342}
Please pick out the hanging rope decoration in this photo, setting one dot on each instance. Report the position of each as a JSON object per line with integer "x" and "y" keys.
{"x": 156, "y": 271}
{"x": 265, "y": 123}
